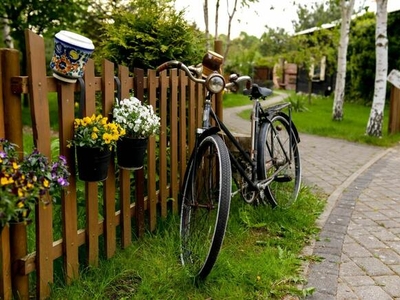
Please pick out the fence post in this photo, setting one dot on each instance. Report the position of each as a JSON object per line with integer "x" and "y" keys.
{"x": 394, "y": 112}
{"x": 5, "y": 267}
{"x": 39, "y": 103}
{"x": 13, "y": 132}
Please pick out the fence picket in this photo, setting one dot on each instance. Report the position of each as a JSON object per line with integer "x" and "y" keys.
{"x": 163, "y": 103}
{"x": 41, "y": 134}
{"x": 173, "y": 142}
{"x": 107, "y": 85}
{"x": 125, "y": 175}
{"x": 66, "y": 114}
{"x": 91, "y": 188}
{"x": 139, "y": 83}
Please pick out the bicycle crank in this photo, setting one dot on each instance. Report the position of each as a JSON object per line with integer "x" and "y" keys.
{"x": 283, "y": 178}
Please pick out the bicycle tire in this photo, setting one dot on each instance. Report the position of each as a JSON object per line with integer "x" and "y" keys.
{"x": 205, "y": 206}
{"x": 273, "y": 143}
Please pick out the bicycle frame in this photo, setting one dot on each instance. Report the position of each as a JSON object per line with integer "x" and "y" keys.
{"x": 251, "y": 159}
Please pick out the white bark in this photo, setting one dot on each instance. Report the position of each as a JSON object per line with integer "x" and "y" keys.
{"x": 205, "y": 10}
{"x": 375, "y": 122}
{"x": 347, "y": 10}
{"x": 6, "y": 33}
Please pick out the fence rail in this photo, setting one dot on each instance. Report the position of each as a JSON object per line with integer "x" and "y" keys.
{"x": 128, "y": 198}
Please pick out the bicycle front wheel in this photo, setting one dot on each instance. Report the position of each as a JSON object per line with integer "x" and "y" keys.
{"x": 205, "y": 207}
{"x": 279, "y": 160}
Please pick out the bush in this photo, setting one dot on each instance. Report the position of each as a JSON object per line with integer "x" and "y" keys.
{"x": 148, "y": 33}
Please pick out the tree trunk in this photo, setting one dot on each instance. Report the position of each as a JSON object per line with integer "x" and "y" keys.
{"x": 6, "y": 32}
{"x": 205, "y": 10}
{"x": 230, "y": 15}
{"x": 347, "y": 10}
{"x": 375, "y": 122}
{"x": 216, "y": 19}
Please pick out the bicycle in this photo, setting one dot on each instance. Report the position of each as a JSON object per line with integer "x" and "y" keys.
{"x": 273, "y": 177}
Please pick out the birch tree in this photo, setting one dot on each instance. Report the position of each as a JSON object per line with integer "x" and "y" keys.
{"x": 206, "y": 23}
{"x": 375, "y": 122}
{"x": 347, "y": 7}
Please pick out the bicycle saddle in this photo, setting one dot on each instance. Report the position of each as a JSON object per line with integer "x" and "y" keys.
{"x": 257, "y": 92}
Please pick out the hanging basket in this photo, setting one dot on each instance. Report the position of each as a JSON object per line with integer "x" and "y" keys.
{"x": 131, "y": 153}
{"x": 92, "y": 163}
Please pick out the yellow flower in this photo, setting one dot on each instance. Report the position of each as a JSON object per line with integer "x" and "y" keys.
{"x": 46, "y": 183}
{"x": 20, "y": 205}
{"x": 5, "y": 180}
{"x": 95, "y": 129}
{"x": 15, "y": 166}
{"x": 107, "y": 138}
{"x": 93, "y": 135}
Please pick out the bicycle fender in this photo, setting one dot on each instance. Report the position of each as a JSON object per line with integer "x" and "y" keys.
{"x": 208, "y": 132}
{"x": 296, "y": 133}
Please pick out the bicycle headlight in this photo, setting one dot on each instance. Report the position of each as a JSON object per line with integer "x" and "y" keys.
{"x": 215, "y": 83}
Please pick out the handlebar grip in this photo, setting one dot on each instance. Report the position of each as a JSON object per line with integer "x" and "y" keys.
{"x": 169, "y": 64}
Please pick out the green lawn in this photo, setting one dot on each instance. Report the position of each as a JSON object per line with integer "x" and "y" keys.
{"x": 317, "y": 119}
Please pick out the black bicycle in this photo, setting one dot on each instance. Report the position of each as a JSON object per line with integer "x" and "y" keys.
{"x": 269, "y": 172}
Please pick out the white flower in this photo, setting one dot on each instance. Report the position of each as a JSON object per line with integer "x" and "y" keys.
{"x": 138, "y": 119}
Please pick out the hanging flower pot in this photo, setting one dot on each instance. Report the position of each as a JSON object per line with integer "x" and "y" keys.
{"x": 131, "y": 153}
{"x": 92, "y": 163}
{"x": 94, "y": 139}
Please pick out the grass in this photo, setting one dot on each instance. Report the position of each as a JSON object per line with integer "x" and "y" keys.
{"x": 261, "y": 258}
{"x": 316, "y": 119}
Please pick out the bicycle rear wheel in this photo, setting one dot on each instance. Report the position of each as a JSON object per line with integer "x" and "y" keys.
{"x": 205, "y": 207}
{"x": 277, "y": 161}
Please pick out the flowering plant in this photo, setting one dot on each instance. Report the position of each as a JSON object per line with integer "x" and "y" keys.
{"x": 22, "y": 183}
{"x": 96, "y": 132}
{"x": 139, "y": 120}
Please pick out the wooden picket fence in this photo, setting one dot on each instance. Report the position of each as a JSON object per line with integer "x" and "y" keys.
{"x": 176, "y": 99}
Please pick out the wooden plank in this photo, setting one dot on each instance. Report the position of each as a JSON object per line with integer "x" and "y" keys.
{"x": 151, "y": 156}
{"x": 125, "y": 178}
{"x": 5, "y": 251}
{"x": 5, "y": 266}
{"x": 91, "y": 188}
{"x": 394, "y": 111}
{"x": 173, "y": 117}
{"x": 66, "y": 116}
{"x": 41, "y": 134}
{"x": 139, "y": 81}
{"x": 182, "y": 125}
{"x": 163, "y": 101}
{"x": 109, "y": 184}
{"x": 192, "y": 114}
{"x": 2, "y": 81}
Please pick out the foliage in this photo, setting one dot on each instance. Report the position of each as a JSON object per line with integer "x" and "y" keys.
{"x": 362, "y": 61}
{"x": 315, "y": 14}
{"x": 136, "y": 118}
{"x": 22, "y": 183}
{"x": 96, "y": 132}
{"x": 298, "y": 102}
{"x": 148, "y": 33}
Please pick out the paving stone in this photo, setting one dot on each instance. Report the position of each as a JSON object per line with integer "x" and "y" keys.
{"x": 387, "y": 256}
{"x": 345, "y": 292}
{"x": 350, "y": 269}
{"x": 371, "y": 293}
{"x": 391, "y": 284}
{"x": 356, "y": 250}
{"x": 373, "y": 266}
{"x": 369, "y": 241}
{"x": 358, "y": 280}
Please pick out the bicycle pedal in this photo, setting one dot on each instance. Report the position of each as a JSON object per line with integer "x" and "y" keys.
{"x": 283, "y": 178}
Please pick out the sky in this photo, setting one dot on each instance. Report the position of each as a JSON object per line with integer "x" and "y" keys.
{"x": 274, "y": 13}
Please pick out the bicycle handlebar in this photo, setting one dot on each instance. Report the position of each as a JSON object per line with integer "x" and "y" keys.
{"x": 179, "y": 65}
